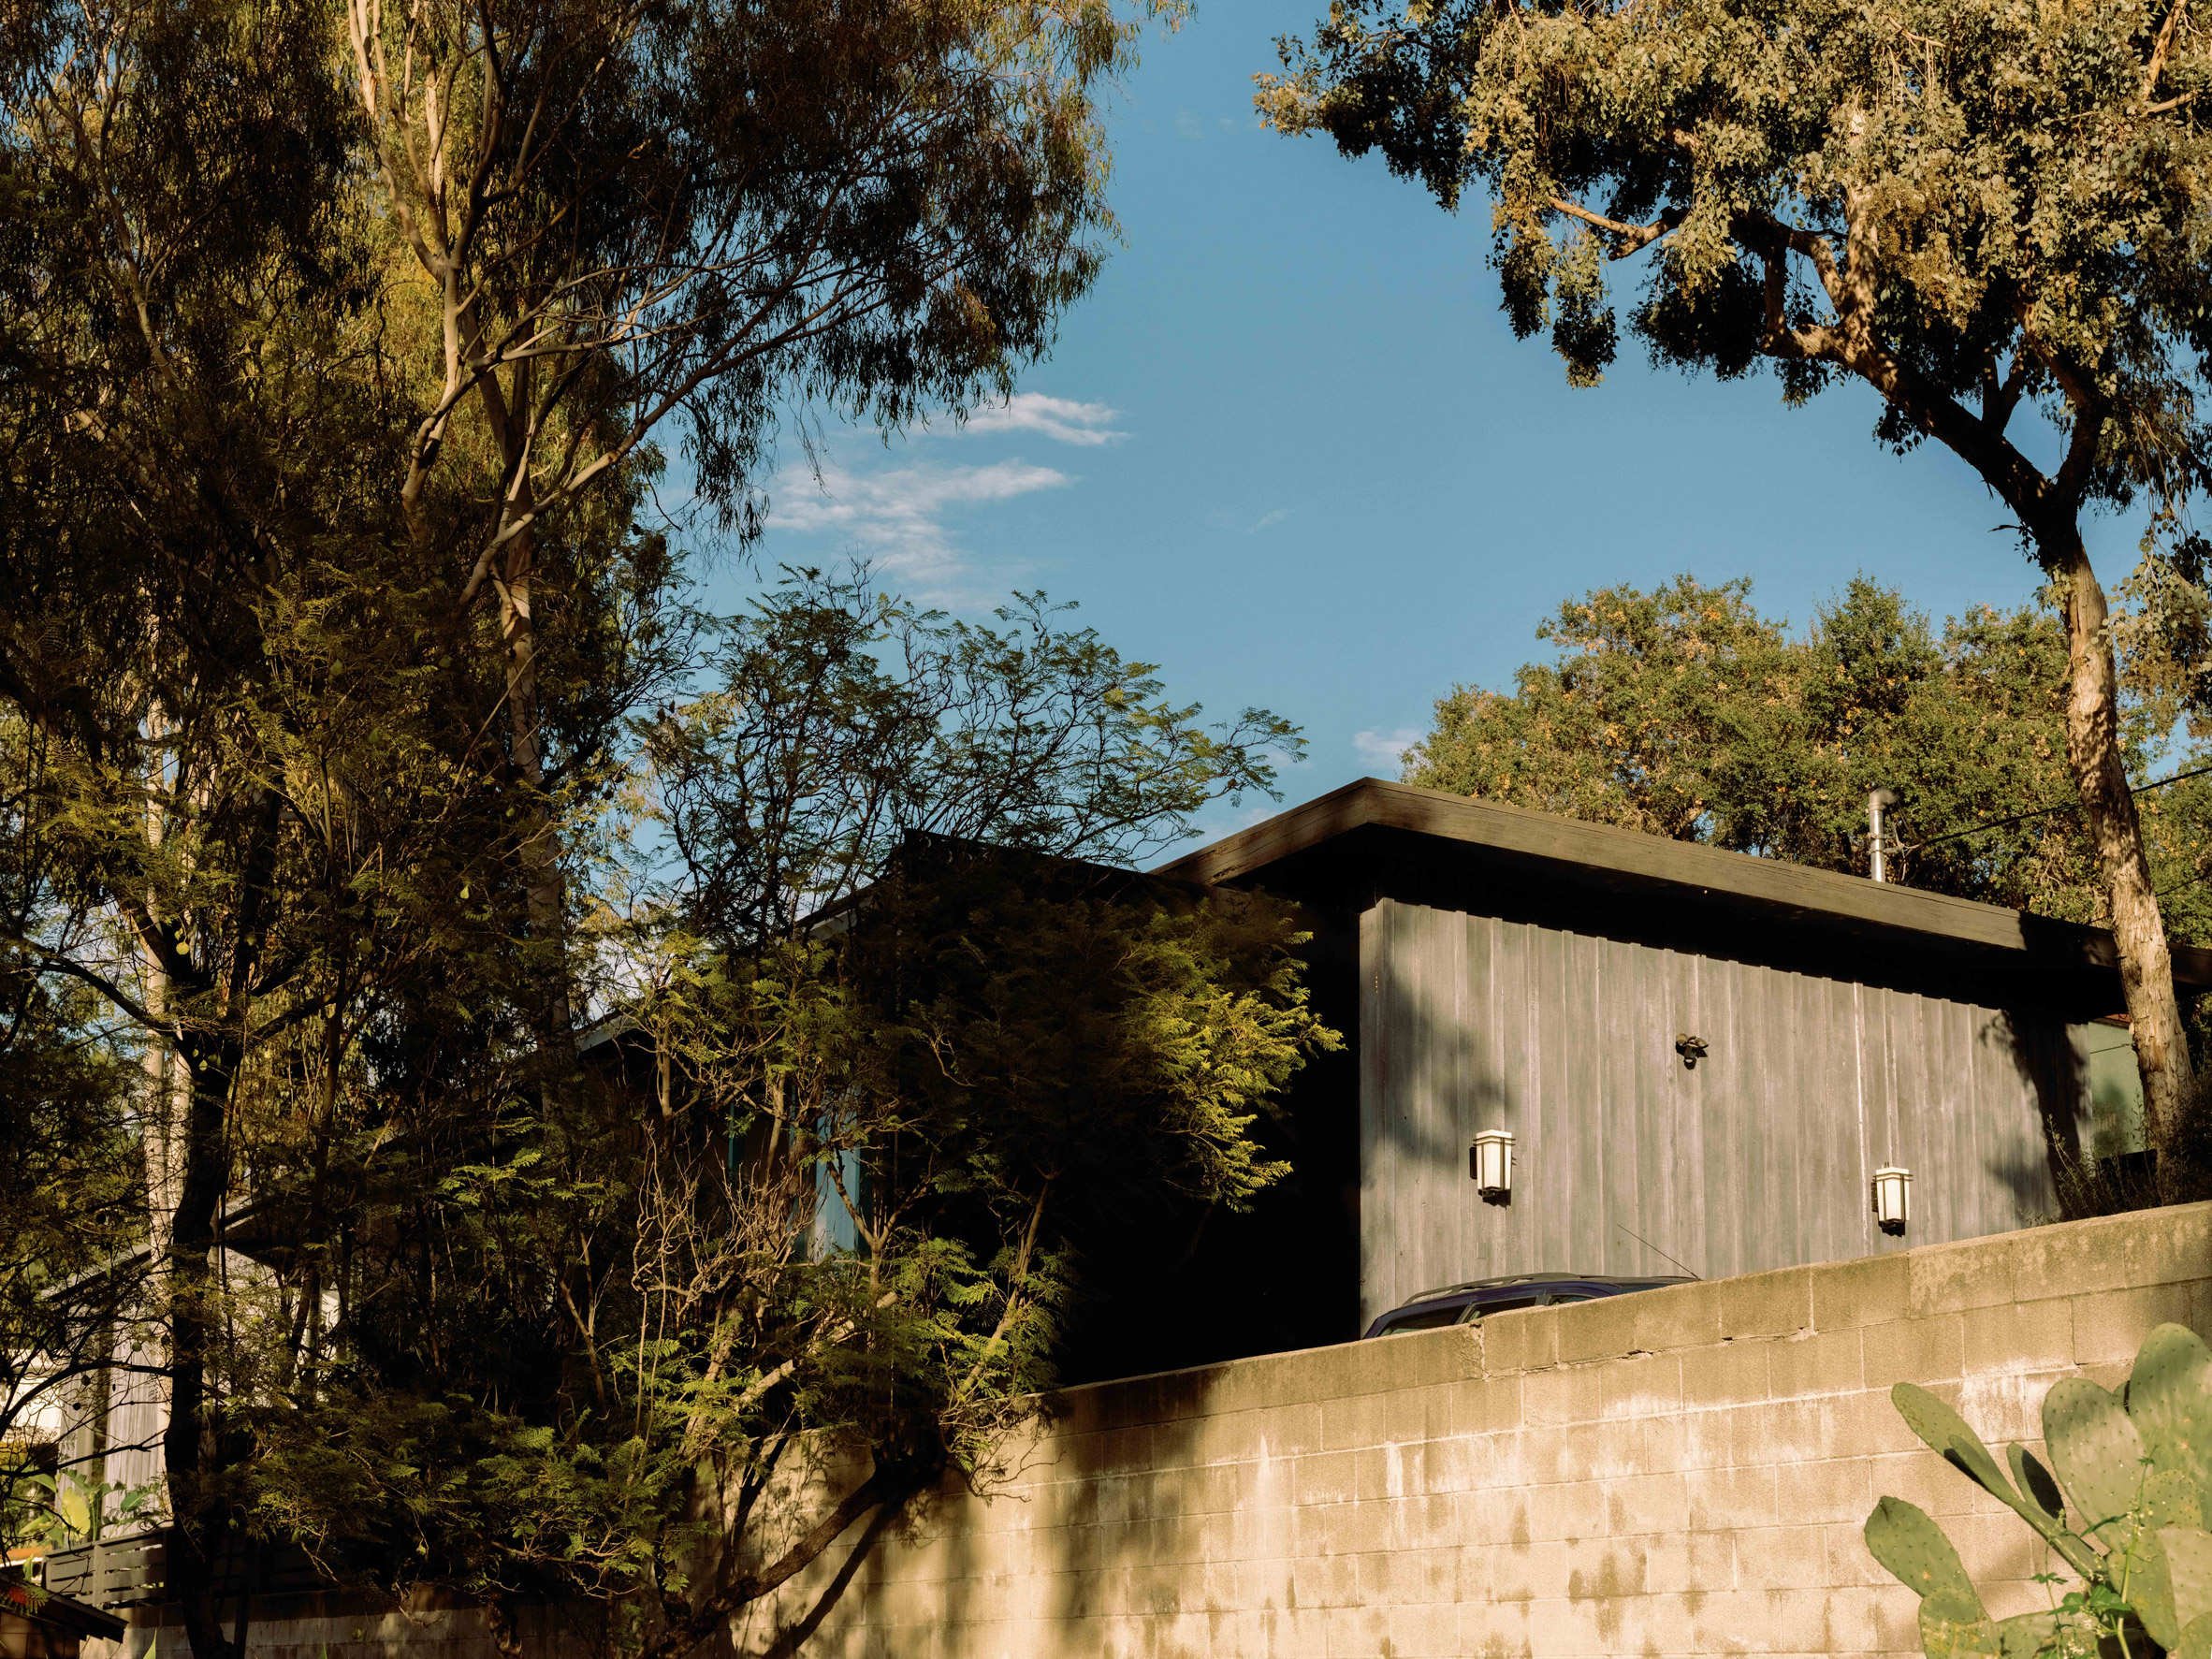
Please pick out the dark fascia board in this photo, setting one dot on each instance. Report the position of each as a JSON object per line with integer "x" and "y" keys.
{"x": 1626, "y": 858}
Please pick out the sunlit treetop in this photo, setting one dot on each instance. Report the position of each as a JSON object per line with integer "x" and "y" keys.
{"x": 1972, "y": 205}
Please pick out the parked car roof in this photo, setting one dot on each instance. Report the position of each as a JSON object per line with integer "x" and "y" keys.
{"x": 1455, "y": 1304}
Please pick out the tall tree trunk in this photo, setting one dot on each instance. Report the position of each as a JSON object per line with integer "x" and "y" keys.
{"x": 544, "y": 886}
{"x": 2099, "y": 772}
{"x": 192, "y": 1323}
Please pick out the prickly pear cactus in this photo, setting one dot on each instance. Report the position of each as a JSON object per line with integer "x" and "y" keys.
{"x": 2124, "y": 1507}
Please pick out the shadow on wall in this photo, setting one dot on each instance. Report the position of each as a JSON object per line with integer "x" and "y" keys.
{"x": 2046, "y": 1058}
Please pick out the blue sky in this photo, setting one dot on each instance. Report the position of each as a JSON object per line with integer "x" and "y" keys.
{"x": 1290, "y": 450}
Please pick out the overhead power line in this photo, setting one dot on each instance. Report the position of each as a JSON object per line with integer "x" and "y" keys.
{"x": 2143, "y": 789}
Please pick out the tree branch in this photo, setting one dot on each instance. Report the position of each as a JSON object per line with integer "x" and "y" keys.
{"x": 2158, "y": 61}
{"x": 1627, "y": 238}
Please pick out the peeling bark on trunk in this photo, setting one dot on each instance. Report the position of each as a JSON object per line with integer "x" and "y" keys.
{"x": 2147, "y": 965}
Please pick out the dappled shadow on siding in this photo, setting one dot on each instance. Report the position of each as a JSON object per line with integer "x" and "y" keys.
{"x": 2045, "y": 1058}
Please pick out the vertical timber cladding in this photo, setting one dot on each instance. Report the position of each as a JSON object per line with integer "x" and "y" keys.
{"x": 1757, "y": 1158}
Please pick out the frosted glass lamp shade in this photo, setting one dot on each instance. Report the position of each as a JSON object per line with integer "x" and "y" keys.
{"x": 1893, "y": 1197}
{"x": 1490, "y": 1162}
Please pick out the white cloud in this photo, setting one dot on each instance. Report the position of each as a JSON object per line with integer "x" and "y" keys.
{"x": 896, "y": 518}
{"x": 1385, "y": 752}
{"x": 1189, "y": 126}
{"x": 1224, "y": 519}
{"x": 1060, "y": 418}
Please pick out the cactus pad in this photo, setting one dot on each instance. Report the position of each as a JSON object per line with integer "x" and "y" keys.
{"x": 1956, "y": 1628}
{"x": 2030, "y": 1634}
{"x": 2036, "y": 1485}
{"x": 1945, "y": 1431}
{"x": 2096, "y": 1451}
{"x": 2170, "y": 1401}
{"x": 2144, "y": 1576}
{"x": 2188, "y": 1563}
{"x": 1903, "y": 1539}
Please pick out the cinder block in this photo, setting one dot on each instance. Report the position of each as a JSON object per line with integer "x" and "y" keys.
{"x": 1776, "y": 1303}
{"x": 2019, "y": 1337}
{"x": 1381, "y": 1472}
{"x": 1485, "y": 1406}
{"x": 1922, "y": 1350}
{"x": 1787, "y": 1433}
{"x": 1570, "y": 1627}
{"x": 1996, "y": 1547}
{"x": 1647, "y": 1503}
{"x": 1601, "y": 1329}
{"x": 1638, "y": 1385}
{"x": 1895, "y": 1613}
{"x": 1924, "y": 1479}
{"x": 1732, "y": 1374}
{"x": 1950, "y": 1278}
{"x": 1525, "y": 1341}
{"x": 1663, "y": 1626}
{"x": 1678, "y": 1315}
{"x": 1423, "y": 1631}
{"x": 1617, "y": 1449}
{"x": 1412, "y": 1361}
{"x": 1780, "y": 1558}
{"x": 1286, "y": 1432}
{"x": 1852, "y": 1621}
{"x": 1554, "y": 1452}
{"x": 1328, "y": 1478}
{"x": 2109, "y": 1326}
{"x": 1722, "y": 1500}
{"x": 1837, "y": 1490}
{"x": 1572, "y": 1509}
{"x": 2166, "y": 1246}
{"x": 1325, "y": 1580}
{"x": 1769, "y": 1620}
{"x": 1356, "y": 1632}
{"x": 1326, "y": 1529}
{"x": 1527, "y": 1572}
{"x": 1824, "y": 1363}
{"x": 1697, "y": 1439}
{"x": 2008, "y": 1404}
{"x": 1562, "y": 1395}
{"x": 1430, "y": 1521}
{"x": 1497, "y": 1461}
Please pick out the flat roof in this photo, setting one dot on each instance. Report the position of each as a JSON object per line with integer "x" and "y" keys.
{"x": 1297, "y": 852}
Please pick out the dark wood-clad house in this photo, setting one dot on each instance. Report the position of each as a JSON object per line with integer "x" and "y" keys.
{"x": 1499, "y": 970}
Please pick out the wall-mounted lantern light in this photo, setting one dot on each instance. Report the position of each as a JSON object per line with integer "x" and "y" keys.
{"x": 1489, "y": 1161}
{"x": 1893, "y": 1197}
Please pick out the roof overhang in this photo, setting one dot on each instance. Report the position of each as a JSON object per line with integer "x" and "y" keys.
{"x": 1313, "y": 848}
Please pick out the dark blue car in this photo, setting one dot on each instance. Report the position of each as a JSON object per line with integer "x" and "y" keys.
{"x": 1464, "y": 1304}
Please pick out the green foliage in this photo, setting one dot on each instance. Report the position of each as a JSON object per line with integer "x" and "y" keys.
{"x": 1829, "y": 189}
{"x": 2125, "y": 1515}
{"x": 886, "y": 1043}
{"x": 1987, "y": 214}
{"x": 344, "y": 348}
{"x": 1684, "y": 712}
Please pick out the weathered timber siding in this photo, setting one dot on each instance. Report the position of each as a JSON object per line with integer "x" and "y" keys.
{"x": 1757, "y": 1158}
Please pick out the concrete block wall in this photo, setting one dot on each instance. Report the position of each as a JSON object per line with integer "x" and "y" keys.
{"x": 1678, "y": 1472}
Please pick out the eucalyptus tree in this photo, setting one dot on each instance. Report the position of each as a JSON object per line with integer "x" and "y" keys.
{"x": 344, "y": 350}
{"x": 1988, "y": 213}
{"x": 629, "y": 217}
